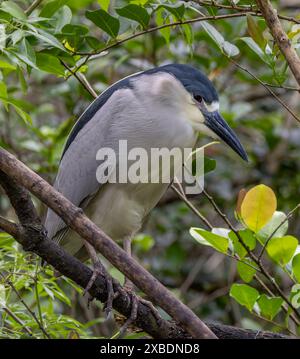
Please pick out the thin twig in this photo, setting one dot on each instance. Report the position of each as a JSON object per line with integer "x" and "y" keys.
{"x": 288, "y": 88}
{"x": 82, "y": 79}
{"x": 32, "y": 7}
{"x": 191, "y": 206}
{"x": 37, "y": 298}
{"x": 267, "y": 88}
{"x": 274, "y": 323}
{"x": 247, "y": 9}
{"x": 18, "y": 320}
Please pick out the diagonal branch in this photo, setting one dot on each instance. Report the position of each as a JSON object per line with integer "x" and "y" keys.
{"x": 75, "y": 218}
{"x": 32, "y": 7}
{"x": 281, "y": 38}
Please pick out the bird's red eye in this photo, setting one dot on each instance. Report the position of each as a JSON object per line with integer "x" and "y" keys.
{"x": 198, "y": 98}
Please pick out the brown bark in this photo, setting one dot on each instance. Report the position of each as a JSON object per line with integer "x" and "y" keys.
{"x": 281, "y": 38}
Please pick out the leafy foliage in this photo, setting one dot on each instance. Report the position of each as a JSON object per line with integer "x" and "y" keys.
{"x": 256, "y": 209}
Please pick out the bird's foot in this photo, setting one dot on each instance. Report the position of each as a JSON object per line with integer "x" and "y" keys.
{"x": 129, "y": 288}
{"x": 100, "y": 270}
{"x": 135, "y": 300}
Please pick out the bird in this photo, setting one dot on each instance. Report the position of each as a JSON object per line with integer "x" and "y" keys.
{"x": 163, "y": 107}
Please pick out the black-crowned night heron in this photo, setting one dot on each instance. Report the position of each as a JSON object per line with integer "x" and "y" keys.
{"x": 164, "y": 107}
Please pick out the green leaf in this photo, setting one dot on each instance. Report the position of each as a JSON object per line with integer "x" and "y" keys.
{"x": 3, "y": 93}
{"x": 248, "y": 239}
{"x": 64, "y": 17}
{"x": 74, "y": 35}
{"x": 244, "y": 295}
{"x": 296, "y": 266}
{"x": 13, "y": 9}
{"x": 17, "y": 36}
{"x": 24, "y": 115}
{"x": 27, "y": 50}
{"x": 104, "y": 4}
{"x": 230, "y": 49}
{"x": 24, "y": 59}
{"x": 104, "y": 21}
{"x": 210, "y": 239}
{"x": 177, "y": 11}
{"x": 75, "y": 30}
{"x": 136, "y": 13}
{"x": 255, "y": 32}
{"x": 6, "y": 17}
{"x": 165, "y": 32}
{"x": 269, "y": 307}
{"x": 93, "y": 42}
{"x": 282, "y": 249}
{"x": 258, "y": 207}
{"x": 295, "y": 296}
{"x": 269, "y": 228}
{"x": 246, "y": 271}
{"x": 6, "y": 65}
{"x": 255, "y": 48}
{"x": 51, "y": 7}
{"x": 188, "y": 33}
{"x": 2, "y": 296}
{"x": 22, "y": 80}
{"x": 50, "y": 64}
{"x": 3, "y": 89}
{"x": 209, "y": 164}
{"x": 215, "y": 35}
{"x": 47, "y": 38}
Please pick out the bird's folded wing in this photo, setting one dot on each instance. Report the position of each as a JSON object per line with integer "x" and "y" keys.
{"x": 76, "y": 178}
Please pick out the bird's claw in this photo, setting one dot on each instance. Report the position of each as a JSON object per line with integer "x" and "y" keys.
{"x": 96, "y": 271}
{"x": 135, "y": 300}
{"x": 108, "y": 305}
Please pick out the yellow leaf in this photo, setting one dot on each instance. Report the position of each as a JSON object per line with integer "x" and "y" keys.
{"x": 258, "y": 207}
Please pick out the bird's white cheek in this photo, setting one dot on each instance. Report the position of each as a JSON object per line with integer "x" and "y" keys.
{"x": 194, "y": 116}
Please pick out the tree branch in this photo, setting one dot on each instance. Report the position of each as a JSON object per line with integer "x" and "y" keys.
{"x": 32, "y": 7}
{"x": 281, "y": 38}
{"x": 9, "y": 227}
{"x": 75, "y": 218}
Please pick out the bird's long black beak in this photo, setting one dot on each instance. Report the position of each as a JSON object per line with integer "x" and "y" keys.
{"x": 215, "y": 122}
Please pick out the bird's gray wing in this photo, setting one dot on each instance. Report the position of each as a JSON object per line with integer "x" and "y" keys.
{"x": 76, "y": 178}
